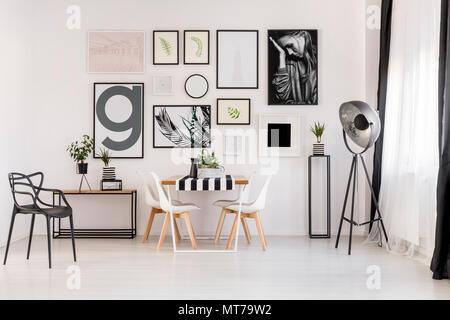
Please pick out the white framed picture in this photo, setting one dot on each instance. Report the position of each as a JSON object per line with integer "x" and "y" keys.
{"x": 119, "y": 119}
{"x": 165, "y": 47}
{"x": 237, "y": 59}
{"x": 115, "y": 51}
{"x": 279, "y": 135}
{"x": 196, "y": 46}
{"x": 162, "y": 85}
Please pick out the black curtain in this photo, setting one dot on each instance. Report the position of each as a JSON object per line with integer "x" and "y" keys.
{"x": 440, "y": 264}
{"x": 385, "y": 43}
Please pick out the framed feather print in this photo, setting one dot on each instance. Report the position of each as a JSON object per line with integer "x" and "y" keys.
{"x": 119, "y": 119}
{"x": 165, "y": 47}
{"x": 196, "y": 46}
{"x": 181, "y": 126}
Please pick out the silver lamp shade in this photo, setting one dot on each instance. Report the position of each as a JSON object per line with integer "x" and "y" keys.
{"x": 357, "y": 118}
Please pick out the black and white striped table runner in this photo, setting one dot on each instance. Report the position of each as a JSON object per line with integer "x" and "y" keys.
{"x": 206, "y": 184}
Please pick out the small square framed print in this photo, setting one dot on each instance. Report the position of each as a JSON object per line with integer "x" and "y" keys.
{"x": 162, "y": 85}
{"x": 196, "y": 47}
{"x": 279, "y": 135}
{"x": 165, "y": 47}
{"x": 233, "y": 111}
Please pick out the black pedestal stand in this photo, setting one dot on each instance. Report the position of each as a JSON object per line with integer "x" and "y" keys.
{"x": 353, "y": 175}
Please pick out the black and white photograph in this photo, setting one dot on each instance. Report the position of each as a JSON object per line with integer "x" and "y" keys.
{"x": 181, "y": 126}
{"x": 292, "y": 67}
{"x": 119, "y": 119}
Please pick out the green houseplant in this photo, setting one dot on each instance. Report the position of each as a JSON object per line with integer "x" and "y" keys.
{"x": 209, "y": 166}
{"x": 317, "y": 130}
{"x": 109, "y": 173}
{"x": 79, "y": 151}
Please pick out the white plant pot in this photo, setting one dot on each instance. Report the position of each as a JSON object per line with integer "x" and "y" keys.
{"x": 109, "y": 173}
{"x": 210, "y": 173}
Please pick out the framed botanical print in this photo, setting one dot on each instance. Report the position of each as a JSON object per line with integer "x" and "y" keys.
{"x": 279, "y": 135}
{"x": 181, "y": 126}
{"x": 237, "y": 59}
{"x": 162, "y": 85}
{"x": 116, "y": 51}
{"x": 165, "y": 47}
{"x": 233, "y": 111}
{"x": 196, "y": 47}
{"x": 119, "y": 119}
{"x": 292, "y": 67}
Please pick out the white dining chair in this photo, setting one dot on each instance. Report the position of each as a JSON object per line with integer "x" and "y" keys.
{"x": 250, "y": 210}
{"x": 180, "y": 210}
{"x": 225, "y": 203}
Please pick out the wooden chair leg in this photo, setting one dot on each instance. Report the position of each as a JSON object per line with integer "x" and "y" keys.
{"x": 177, "y": 232}
{"x": 262, "y": 238}
{"x": 246, "y": 231}
{"x": 149, "y": 225}
{"x": 220, "y": 224}
{"x": 233, "y": 232}
{"x": 163, "y": 231}
{"x": 190, "y": 231}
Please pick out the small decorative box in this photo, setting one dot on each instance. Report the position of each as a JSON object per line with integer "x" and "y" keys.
{"x": 111, "y": 185}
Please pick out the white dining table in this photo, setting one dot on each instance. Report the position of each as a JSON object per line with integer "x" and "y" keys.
{"x": 240, "y": 181}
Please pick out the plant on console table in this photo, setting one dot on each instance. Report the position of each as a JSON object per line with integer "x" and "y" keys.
{"x": 317, "y": 130}
{"x": 209, "y": 166}
{"x": 79, "y": 152}
{"x": 109, "y": 173}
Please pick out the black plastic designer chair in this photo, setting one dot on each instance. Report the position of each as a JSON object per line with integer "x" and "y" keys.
{"x": 22, "y": 186}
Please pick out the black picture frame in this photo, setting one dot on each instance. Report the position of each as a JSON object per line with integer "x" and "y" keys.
{"x": 175, "y": 106}
{"x": 207, "y": 86}
{"x": 234, "y": 124}
{"x": 184, "y": 47}
{"x": 217, "y": 59}
{"x": 178, "y": 47}
{"x": 142, "y": 118}
{"x": 272, "y": 68}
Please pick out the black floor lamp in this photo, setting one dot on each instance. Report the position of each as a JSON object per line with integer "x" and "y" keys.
{"x": 361, "y": 123}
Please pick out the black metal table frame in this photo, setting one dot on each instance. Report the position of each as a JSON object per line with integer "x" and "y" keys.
{"x": 64, "y": 233}
{"x": 328, "y": 234}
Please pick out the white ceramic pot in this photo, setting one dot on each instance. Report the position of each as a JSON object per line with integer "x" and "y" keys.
{"x": 109, "y": 173}
{"x": 210, "y": 173}
{"x": 318, "y": 149}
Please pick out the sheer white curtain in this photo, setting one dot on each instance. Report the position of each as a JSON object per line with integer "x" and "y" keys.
{"x": 410, "y": 148}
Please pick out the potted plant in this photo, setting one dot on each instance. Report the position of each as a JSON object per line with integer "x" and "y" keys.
{"x": 317, "y": 130}
{"x": 209, "y": 166}
{"x": 79, "y": 151}
{"x": 109, "y": 173}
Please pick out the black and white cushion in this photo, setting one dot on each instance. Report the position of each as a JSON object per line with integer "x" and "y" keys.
{"x": 206, "y": 184}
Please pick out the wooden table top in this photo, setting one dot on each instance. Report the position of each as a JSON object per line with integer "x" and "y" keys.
{"x": 125, "y": 191}
{"x": 171, "y": 181}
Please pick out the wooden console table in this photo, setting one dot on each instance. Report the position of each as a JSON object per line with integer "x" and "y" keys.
{"x": 99, "y": 233}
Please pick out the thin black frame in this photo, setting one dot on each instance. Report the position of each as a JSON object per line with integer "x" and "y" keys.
{"x": 142, "y": 131}
{"x": 234, "y": 124}
{"x": 207, "y": 86}
{"x": 184, "y": 47}
{"x": 178, "y": 47}
{"x": 268, "y": 68}
{"x": 257, "y": 59}
{"x": 175, "y": 106}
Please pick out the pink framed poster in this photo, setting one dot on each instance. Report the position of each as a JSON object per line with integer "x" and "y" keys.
{"x": 116, "y": 52}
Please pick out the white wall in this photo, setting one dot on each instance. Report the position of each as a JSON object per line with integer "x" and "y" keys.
{"x": 62, "y": 110}
{"x": 15, "y": 34}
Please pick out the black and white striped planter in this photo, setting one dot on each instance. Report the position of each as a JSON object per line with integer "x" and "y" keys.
{"x": 318, "y": 149}
{"x": 109, "y": 173}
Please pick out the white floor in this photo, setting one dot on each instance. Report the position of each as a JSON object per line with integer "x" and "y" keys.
{"x": 291, "y": 268}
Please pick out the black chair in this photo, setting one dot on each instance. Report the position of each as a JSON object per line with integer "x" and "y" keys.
{"x": 23, "y": 185}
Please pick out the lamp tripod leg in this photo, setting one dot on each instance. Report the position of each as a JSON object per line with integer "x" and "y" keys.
{"x": 345, "y": 202}
{"x": 374, "y": 199}
{"x": 355, "y": 176}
